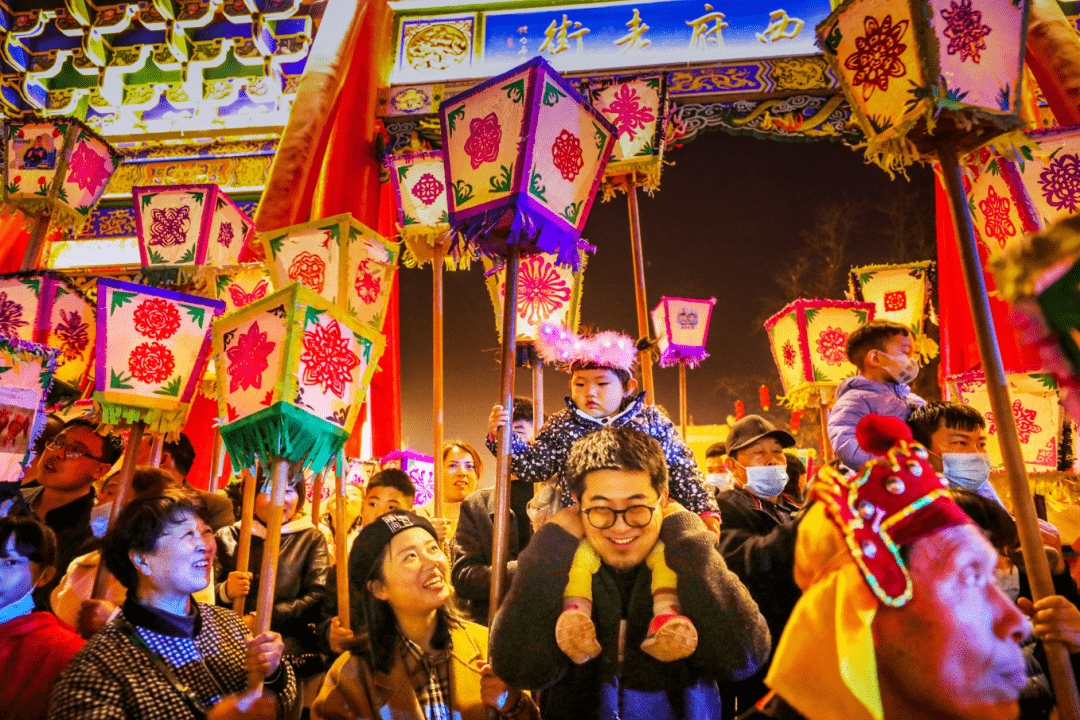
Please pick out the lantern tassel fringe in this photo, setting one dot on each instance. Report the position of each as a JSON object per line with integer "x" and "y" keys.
{"x": 168, "y": 423}
{"x": 282, "y": 431}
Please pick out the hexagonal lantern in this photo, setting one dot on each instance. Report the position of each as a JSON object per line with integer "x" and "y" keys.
{"x": 682, "y": 327}
{"x": 44, "y": 308}
{"x": 547, "y": 292}
{"x": 922, "y": 71}
{"x": 900, "y": 293}
{"x": 292, "y": 372}
{"x": 637, "y": 106}
{"x": 343, "y": 260}
{"x": 27, "y": 369}
{"x": 419, "y": 467}
{"x": 152, "y": 349}
{"x": 183, "y": 225}
{"x": 807, "y": 339}
{"x": 56, "y": 166}
{"x": 525, "y": 154}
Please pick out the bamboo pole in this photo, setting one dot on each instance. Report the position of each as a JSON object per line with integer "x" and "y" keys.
{"x": 38, "y": 230}
{"x": 501, "y": 534}
{"x": 271, "y": 545}
{"x": 217, "y": 465}
{"x": 316, "y": 498}
{"x": 341, "y": 554}
{"x": 823, "y": 417}
{"x": 123, "y": 489}
{"x": 247, "y": 519}
{"x": 682, "y": 398}
{"x": 1031, "y": 544}
{"x": 645, "y": 356}
{"x": 437, "y": 372}
{"x": 156, "y": 449}
{"x": 538, "y": 393}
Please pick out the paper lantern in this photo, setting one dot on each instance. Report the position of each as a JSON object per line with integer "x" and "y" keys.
{"x": 682, "y": 327}
{"x": 238, "y": 285}
{"x": 46, "y": 309}
{"x": 292, "y": 370}
{"x": 419, "y": 467}
{"x": 637, "y": 107}
{"x": 419, "y": 182}
{"x": 342, "y": 260}
{"x": 525, "y": 154}
{"x": 152, "y": 349}
{"x": 56, "y": 166}
{"x": 900, "y": 293}
{"x": 1035, "y": 406}
{"x": 925, "y": 71}
{"x": 807, "y": 339}
{"x": 547, "y": 292}
{"x": 189, "y": 225}
{"x": 26, "y": 370}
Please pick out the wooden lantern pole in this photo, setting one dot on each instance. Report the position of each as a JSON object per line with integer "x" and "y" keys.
{"x": 316, "y": 498}
{"x": 1038, "y": 569}
{"x": 823, "y": 417}
{"x": 437, "y": 372}
{"x": 123, "y": 489}
{"x": 538, "y": 391}
{"x": 247, "y": 519}
{"x": 38, "y": 230}
{"x": 682, "y": 397}
{"x": 271, "y": 549}
{"x": 645, "y": 356}
{"x": 217, "y": 465}
{"x": 155, "y": 451}
{"x": 501, "y": 535}
{"x": 341, "y": 554}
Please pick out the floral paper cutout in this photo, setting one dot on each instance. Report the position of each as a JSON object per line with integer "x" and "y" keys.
{"x": 629, "y": 112}
{"x": 248, "y": 359}
{"x": 1025, "y": 422}
{"x": 328, "y": 361}
{"x": 73, "y": 334}
{"x": 789, "y": 354}
{"x": 1060, "y": 182}
{"x": 965, "y": 31}
{"x": 88, "y": 170}
{"x": 308, "y": 269}
{"x": 877, "y": 55}
{"x": 427, "y": 189}
{"x": 830, "y": 345}
{"x": 895, "y": 301}
{"x": 157, "y": 319}
{"x": 483, "y": 143}
{"x": 998, "y": 224}
{"x": 10, "y": 315}
{"x": 541, "y": 290}
{"x": 169, "y": 226}
{"x": 368, "y": 284}
{"x": 226, "y": 234}
{"x": 566, "y": 154}
{"x": 151, "y": 363}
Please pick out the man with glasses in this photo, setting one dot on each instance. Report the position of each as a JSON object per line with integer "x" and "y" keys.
{"x": 70, "y": 465}
{"x": 618, "y": 478}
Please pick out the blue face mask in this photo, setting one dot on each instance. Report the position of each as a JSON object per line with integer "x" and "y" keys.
{"x": 22, "y": 606}
{"x": 767, "y": 481}
{"x": 99, "y": 519}
{"x": 967, "y": 470}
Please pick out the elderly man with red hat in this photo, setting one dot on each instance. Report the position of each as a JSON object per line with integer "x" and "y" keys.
{"x": 900, "y": 617}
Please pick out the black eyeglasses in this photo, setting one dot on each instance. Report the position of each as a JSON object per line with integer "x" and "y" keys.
{"x": 72, "y": 450}
{"x": 636, "y": 516}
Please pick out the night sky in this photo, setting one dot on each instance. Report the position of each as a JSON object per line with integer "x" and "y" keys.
{"x": 729, "y": 214}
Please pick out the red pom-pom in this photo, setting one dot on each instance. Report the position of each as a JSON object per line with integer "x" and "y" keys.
{"x": 877, "y": 434}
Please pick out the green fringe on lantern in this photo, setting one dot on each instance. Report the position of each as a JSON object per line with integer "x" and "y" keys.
{"x": 158, "y": 421}
{"x": 282, "y": 431}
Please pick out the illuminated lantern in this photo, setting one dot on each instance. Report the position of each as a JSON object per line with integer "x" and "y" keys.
{"x": 55, "y": 168}
{"x": 637, "y": 107}
{"x": 27, "y": 370}
{"x": 525, "y": 154}
{"x": 342, "y": 260}
{"x": 239, "y": 285}
{"x": 547, "y": 292}
{"x": 292, "y": 371}
{"x": 682, "y": 326}
{"x": 900, "y": 293}
{"x": 43, "y": 308}
{"x": 419, "y": 182}
{"x": 1035, "y": 406}
{"x": 922, "y": 71}
{"x": 419, "y": 467}
{"x": 807, "y": 340}
{"x": 189, "y": 225}
{"x": 152, "y": 350}
{"x": 763, "y": 396}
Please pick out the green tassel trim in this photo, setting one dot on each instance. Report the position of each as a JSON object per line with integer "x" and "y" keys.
{"x": 282, "y": 431}
{"x": 158, "y": 421}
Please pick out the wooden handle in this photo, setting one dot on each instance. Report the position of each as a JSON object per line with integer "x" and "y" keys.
{"x": 639, "y": 290}
{"x": 437, "y": 374}
{"x": 247, "y": 517}
{"x": 155, "y": 451}
{"x": 683, "y": 411}
{"x": 123, "y": 489}
{"x": 271, "y": 545}
{"x": 316, "y": 499}
{"x": 341, "y": 553}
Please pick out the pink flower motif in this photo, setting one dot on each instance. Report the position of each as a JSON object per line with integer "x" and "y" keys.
{"x": 157, "y": 319}
{"x": 248, "y": 359}
{"x": 88, "y": 170}
{"x": 10, "y": 315}
{"x": 308, "y": 269}
{"x": 1048, "y": 454}
{"x": 483, "y": 143}
{"x": 368, "y": 284}
{"x": 830, "y": 346}
{"x": 566, "y": 154}
{"x": 627, "y": 113}
{"x": 327, "y": 359}
{"x": 428, "y": 188}
{"x": 541, "y": 290}
{"x": 241, "y": 298}
{"x": 73, "y": 334}
{"x": 169, "y": 226}
{"x": 1025, "y": 422}
{"x": 877, "y": 55}
{"x": 226, "y": 234}
{"x": 895, "y": 301}
{"x": 1060, "y": 182}
{"x": 998, "y": 224}
{"x": 965, "y": 30}
{"x": 789, "y": 354}
{"x": 151, "y": 363}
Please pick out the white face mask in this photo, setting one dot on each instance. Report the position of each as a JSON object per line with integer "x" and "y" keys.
{"x": 720, "y": 481}
{"x": 99, "y": 519}
{"x": 903, "y": 369}
{"x": 766, "y": 481}
{"x": 967, "y": 470}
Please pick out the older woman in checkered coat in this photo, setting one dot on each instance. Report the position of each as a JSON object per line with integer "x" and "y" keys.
{"x": 164, "y": 655}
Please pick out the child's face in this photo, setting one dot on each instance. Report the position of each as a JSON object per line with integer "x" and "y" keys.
{"x": 16, "y": 574}
{"x": 380, "y": 500}
{"x": 598, "y": 392}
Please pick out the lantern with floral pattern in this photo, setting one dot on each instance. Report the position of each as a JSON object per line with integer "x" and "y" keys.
{"x": 807, "y": 339}
{"x": 682, "y": 328}
{"x": 419, "y": 181}
{"x": 27, "y": 372}
{"x": 238, "y": 285}
{"x": 525, "y": 154}
{"x": 637, "y": 106}
{"x": 341, "y": 259}
{"x": 152, "y": 349}
{"x": 186, "y": 225}
{"x": 292, "y": 371}
{"x": 900, "y": 293}
{"x": 547, "y": 292}
{"x": 419, "y": 467}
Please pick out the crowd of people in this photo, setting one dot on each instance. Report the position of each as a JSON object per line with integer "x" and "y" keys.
{"x": 887, "y": 585}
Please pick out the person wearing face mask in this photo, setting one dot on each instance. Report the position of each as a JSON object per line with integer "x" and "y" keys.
{"x": 757, "y": 538}
{"x": 882, "y": 351}
{"x": 955, "y": 435}
{"x": 35, "y": 647}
